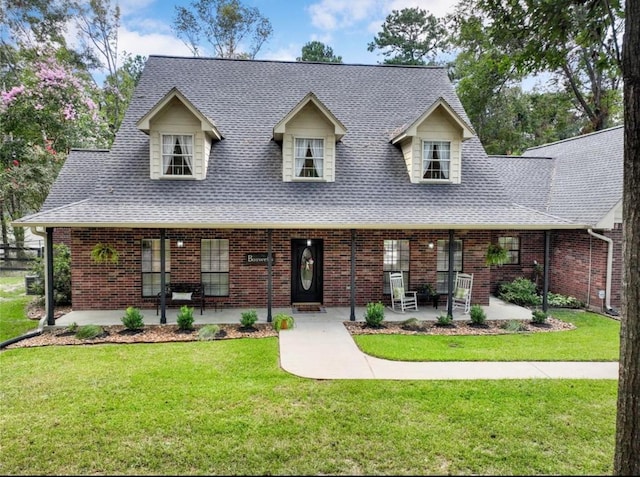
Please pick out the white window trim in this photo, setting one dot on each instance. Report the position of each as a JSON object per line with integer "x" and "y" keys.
{"x": 193, "y": 157}
{"x": 294, "y": 176}
{"x": 422, "y": 157}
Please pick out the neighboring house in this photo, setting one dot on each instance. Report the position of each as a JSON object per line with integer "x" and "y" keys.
{"x": 579, "y": 179}
{"x": 343, "y": 172}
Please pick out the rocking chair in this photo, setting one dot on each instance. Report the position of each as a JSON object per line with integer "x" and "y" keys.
{"x": 405, "y": 300}
{"x": 462, "y": 291}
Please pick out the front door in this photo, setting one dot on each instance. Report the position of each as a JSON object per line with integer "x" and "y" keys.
{"x": 306, "y": 271}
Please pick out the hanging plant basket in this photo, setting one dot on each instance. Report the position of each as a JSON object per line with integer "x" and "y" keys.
{"x": 496, "y": 255}
{"x": 104, "y": 253}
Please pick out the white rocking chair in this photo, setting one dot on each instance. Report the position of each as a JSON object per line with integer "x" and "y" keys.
{"x": 462, "y": 291}
{"x": 406, "y": 300}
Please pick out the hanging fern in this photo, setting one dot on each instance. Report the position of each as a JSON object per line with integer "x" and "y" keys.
{"x": 496, "y": 255}
{"x": 104, "y": 253}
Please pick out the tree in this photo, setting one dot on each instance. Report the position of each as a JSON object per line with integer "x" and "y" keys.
{"x": 118, "y": 89}
{"x": 227, "y": 25}
{"x": 627, "y": 450}
{"x": 411, "y": 36}
{"x": 576, "y": 40}
{"x": 318, "y": 51}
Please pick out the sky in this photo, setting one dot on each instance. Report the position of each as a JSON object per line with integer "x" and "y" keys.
{"x": 347, "y": 26}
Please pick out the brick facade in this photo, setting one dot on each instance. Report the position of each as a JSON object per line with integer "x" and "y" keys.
{"x": 107, "y": 286}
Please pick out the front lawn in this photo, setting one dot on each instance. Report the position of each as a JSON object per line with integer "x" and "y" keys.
{"x": 13, "y": 301}
{"x": 596, "y": 338}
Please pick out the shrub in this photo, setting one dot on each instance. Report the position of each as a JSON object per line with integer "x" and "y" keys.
{"x": 413, "y": 324}
{"x": 513, "y": 326}
{"x": 88, "y": 332}
{"x": 185, "y": 318}
{"x": 374, "y": 316}
{"x": 444, "y": 320}
{"x": 208, "y": 332}
{"x": 248, "y": 318}
{"x": 133, "y": 319}
{"x": 562, "y": 301}
{"x": 282, "y": 321}
{"x": 520, "y": 291}
{"x": 477, "y": 315}
{"x": 538, "y": 316}
{"x": 61, "y": 275}
{"x": 73, "y": 327}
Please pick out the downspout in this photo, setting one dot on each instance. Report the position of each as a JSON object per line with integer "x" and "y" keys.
{"x": 607, "y": 295}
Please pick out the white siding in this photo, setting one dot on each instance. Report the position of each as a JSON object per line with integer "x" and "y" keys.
{"x": 439, "y": 126}
{"x": 309, "y": 123}
{"x": 176, "y": 118}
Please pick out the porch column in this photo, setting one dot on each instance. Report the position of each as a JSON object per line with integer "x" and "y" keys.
{"x": 269, "y": 275}
{"x": 547, "y": 260}
{"x": 450, "y": 275}
{"x": 163, "y": 298}
{"x": 48, "y": 282}
{"x": 352, "y": 317}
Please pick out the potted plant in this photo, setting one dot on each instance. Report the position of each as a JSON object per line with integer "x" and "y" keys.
{"x": 496, "y": 254}
{"x": 104, "y": 253}
{"x": 282, "y": 321}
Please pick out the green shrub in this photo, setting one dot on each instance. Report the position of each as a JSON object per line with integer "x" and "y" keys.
{"x": 133, "y": 319}
{"x": 73, "y": 327}
{"x": 561, "y": 301}
{"x": 185, "y": 318}
{"x": 538, "y": 316}
{"x": 88, "y": 332}
{"x": 248, "y": 318}
{"x": 413, "y": 324}
{"x": 282, "y": 321}
{"x": 61, "y": 275}
{"x": 374, "y": 316}
{"x": 444, "y": 320}
{"x": 208, "y": 332}
{"x": 477, "y": 315}
{"x": 520, "y": 291}
{"x": 513, "y": 326}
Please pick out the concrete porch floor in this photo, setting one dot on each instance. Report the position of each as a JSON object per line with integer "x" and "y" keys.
{"x": 497, "y": 310}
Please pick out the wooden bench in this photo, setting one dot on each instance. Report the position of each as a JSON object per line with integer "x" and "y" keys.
{"x": 179, "y": 294}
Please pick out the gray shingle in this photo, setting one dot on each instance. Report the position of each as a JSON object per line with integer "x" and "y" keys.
{"x": 244, "y": 184}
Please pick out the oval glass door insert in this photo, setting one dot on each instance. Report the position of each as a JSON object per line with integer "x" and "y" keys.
{"x": 306, "y": 268}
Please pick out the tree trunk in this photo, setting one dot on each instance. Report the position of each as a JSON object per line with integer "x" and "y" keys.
{"x": 627, "y": 450}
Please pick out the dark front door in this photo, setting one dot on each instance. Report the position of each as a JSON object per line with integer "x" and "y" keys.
{"x": 306, "y": 271}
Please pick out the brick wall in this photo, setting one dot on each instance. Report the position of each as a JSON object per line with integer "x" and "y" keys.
{"x": 108, "y": 286}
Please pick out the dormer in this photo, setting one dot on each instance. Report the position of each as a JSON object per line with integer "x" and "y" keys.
{"x": 432, "y": 145}
{"x": 180, "y": 138}
{"x": 308, "y": 134}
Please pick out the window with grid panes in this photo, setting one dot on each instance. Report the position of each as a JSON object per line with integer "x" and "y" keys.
{"x": 442, "y": 263}
{"x": 214, "y": 266}
{"x": 396, "y": 259}
{"x": 512, "y": 246}
{"x": 151, "y": 266}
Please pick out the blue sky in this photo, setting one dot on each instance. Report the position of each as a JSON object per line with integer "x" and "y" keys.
{"x": 345, "y": 25}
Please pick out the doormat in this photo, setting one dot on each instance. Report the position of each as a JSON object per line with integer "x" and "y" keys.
{"x": 309, "y": 309}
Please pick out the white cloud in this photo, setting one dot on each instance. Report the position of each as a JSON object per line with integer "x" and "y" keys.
{"x": 333, "y": 14}
{"x": 287, "y": 53}
{"x": 137, "y": 43}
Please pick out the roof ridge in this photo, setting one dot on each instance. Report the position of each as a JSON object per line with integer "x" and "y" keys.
{"x": 574, "y": 138}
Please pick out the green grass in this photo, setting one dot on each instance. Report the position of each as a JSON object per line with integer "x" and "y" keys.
{"x": 226, "y": 408}
{"x": 596, "y": 338}
{"x": 13, "y": 302}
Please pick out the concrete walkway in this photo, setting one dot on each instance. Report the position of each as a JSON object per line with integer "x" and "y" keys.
{"x": 320, "y": 347}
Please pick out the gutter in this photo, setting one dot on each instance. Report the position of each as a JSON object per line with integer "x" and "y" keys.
{"x": 609, "y": 241}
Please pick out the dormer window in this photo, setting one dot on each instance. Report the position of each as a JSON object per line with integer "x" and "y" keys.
{"x": 436, "y": 159}
{"x": 177, "y": 155}
{"x": 309, "y": 158}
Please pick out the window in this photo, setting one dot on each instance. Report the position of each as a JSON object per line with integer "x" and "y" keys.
{"x": 309, "y": 158}
{"x": 436, "y": 159}
{"x": 512, "y": 245}
{"x": 214, "y": 266}
{"x": 396, "y": 259}
{"x": 177, "y": 155}
{"x": 151, "y": 265}
{"x": 442, "y": 263}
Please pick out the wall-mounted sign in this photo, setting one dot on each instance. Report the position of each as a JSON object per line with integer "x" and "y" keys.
{"x": 259, "y": 258}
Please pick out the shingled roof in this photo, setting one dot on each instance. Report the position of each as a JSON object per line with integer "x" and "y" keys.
{"x": 244, "y": 186}
{"x": 579, "y": 179}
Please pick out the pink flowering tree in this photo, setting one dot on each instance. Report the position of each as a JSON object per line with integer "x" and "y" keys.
{"x": 48, "y": 110}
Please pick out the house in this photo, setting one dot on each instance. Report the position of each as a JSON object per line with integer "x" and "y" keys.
{"x": 579, "y": 179}
{"x": 340, "y": 173}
